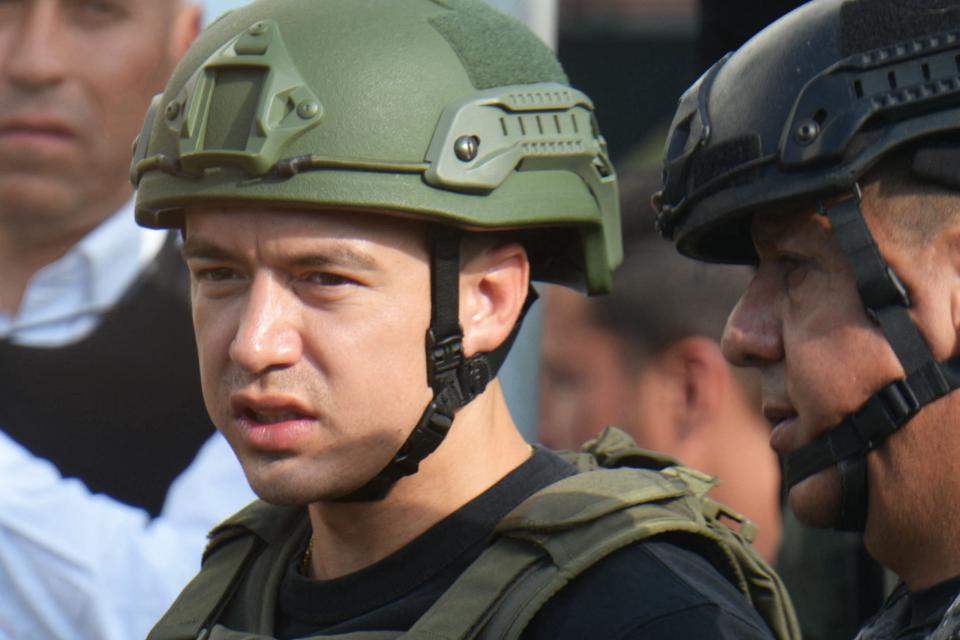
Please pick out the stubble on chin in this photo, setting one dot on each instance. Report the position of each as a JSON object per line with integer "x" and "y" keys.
{"x": 326, "y": 474}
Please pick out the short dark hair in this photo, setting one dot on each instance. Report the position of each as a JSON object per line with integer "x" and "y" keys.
{"x": 917, "y": 189}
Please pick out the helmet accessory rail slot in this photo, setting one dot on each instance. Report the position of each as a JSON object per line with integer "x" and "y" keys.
{"x": 893, "y": 82}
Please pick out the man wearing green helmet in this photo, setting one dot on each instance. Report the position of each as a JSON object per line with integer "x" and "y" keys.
{"x": 366, "y": 188}
{"x": 825, "y": 152}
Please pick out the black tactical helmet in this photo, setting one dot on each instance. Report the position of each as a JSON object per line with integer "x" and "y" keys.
{"x": 805, "y": 107}
{"x": 804, "y": 110}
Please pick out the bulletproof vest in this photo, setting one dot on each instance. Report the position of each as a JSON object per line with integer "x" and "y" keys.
{"x": 949, "y": 627}
{"x": 894, "y": 617}
{"x": 621, "y": 495}
{"x": 121, "y": 409}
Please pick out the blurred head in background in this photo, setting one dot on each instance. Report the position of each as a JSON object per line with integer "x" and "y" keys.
{"x": 646, "y": 358}
{"x": 75, "y": 81}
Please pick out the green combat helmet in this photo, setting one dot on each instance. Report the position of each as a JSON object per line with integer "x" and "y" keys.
{"x": 438, "y": 110}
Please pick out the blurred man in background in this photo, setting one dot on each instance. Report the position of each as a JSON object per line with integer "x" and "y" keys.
{"x": 93, "y": 311}
{"x": 646, "y": 358}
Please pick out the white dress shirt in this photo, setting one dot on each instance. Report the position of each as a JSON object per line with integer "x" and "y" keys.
{"x": 65, "y": 300}
{"x": 76, "y": 565}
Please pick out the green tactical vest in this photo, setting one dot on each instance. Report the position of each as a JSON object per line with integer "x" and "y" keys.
{"x": 621, "y": 495}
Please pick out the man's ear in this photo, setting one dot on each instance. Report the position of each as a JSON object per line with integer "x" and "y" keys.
{"x": 930, "y": 295}
{"x": 493, "y": 288}
{"x": 952, "y": 249}
{"x": 706, "y": 379}
{"x": 187, "y": 24}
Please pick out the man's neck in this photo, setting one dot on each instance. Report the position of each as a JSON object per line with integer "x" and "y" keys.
{"x": 23, "y": 255}
{"x": 921, "y": 564}
{"x": 912, "y": 485}
{"x": 482, "y": 447}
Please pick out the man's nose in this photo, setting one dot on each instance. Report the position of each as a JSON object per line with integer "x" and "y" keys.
{"x": 753, "y": 333}
{"x": 268, "y": 335}
{"x": 36, "y": 55}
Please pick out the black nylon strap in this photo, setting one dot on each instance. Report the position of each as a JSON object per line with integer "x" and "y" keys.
{"x": 886, "y": 301}
{"x": 422, "y": 441}
{"x": 445, "y": 281}
{"x": 852, "y": 514}
{"x": 881, "y": 291}
{"x": 455, "y": 381}
{"x": 444, "y": 359}
{"x": 882, "y": 414}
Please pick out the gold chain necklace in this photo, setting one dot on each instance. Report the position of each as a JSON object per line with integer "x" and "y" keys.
{"x": 305, "y": 559}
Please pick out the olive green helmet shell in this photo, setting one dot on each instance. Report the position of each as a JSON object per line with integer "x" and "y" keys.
{"x": 438, "y": 110}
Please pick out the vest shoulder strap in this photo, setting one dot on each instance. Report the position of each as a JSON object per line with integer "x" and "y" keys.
{"x": 613, "y": 448}
{"x": 569, "y": 526}
{"x": 233, "y": 548}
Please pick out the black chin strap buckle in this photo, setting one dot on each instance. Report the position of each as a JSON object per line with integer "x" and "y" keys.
{"x": 444, "y": 358}
{"x": 455, "y": 381}
{"x": 445, "y": 355}
{"x": 475, "y": 374}
{"x": 880, "y": 416}
{"x": 900, "y": 400}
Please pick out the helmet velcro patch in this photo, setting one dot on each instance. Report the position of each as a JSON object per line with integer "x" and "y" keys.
{"x": 495, "y": 50}
{"x": 871, "y": 24}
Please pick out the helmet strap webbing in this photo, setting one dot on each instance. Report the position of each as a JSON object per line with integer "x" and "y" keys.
{"x": 455, "y": 380}
{"x": 886, "y": 301}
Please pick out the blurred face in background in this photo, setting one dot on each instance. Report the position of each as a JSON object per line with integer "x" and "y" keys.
{"x": 76, "y": 78}
{"x": 590, "y": 379}
{"x": 683, "y": 400}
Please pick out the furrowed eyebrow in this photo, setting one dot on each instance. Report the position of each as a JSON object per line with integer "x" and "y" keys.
{"x": 199, "y": 249}
{"x": 337, "y": 256}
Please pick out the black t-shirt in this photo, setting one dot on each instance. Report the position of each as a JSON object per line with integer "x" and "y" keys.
{"x": 923, "y": 612}
{"x": 928, "y": 606}
{"x": 654, "y": 589}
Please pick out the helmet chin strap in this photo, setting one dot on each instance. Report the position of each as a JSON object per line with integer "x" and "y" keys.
{"x": 886, "y": 301}
{"x": 454, "y": 379}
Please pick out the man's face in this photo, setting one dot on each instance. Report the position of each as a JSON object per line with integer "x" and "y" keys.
{"x": 76, "y": 77}
{"x": 310, "y": 329}
{"x": 802, "y": 324}
{"x": 583, "y": 387}
{"x": 587, "y": 384}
